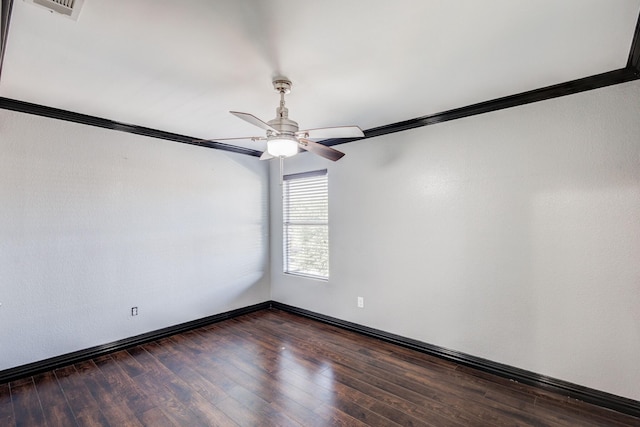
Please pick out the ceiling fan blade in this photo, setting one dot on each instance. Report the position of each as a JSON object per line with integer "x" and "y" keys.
{"x": 321, "y": 150}
{"x": 250, "y": 138}
{"x": 266, "y": 156}
{"x": 250, "y": 118}
{"x": 333, "y": 132}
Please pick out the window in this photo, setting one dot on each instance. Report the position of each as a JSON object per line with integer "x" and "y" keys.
{"x": 306, "y": 224}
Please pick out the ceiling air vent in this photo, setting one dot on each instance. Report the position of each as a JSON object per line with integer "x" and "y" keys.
{"x": 68, "y": 8}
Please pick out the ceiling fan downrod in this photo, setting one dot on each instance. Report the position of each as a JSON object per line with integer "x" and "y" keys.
{"x": 285, "y": 127}
{"x": 283, "y": 87}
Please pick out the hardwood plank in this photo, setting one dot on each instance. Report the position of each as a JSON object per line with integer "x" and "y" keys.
{"x": 5, "y": 394}
{"x": 208, "y": 378}
{"x": 380, "y": 408}
{"x": 297, "y": 403}
{"x": 267, "y": 415}
{"x": 134, "y": 398}
{"x": 336, "y": 417}
{"x": 7, "y": 417}
{"x": 175, "y": 398}
{"x": 249, "y": 379}
{"x": 84, "y": 407}
{"x": 128, "y": 363}
{"x": 182, "y": 367}
{"x": 107, "y": 397}
{"x": 239, "y": 413}
{"x": 48, "y": 389}
{"x": 248, "y": 372}
{"x": 418, "y": 406}
{"x": 26, "y": 405}
{"x": 198, "y": 404}
{"x": 156, "y": 418}
{"x": 57, "y": 411}
{"x": 345, "y": 404}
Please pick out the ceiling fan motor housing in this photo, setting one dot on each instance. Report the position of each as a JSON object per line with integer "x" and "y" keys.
{"x": 284, "y": 125}
{"x": 285, "y": 143}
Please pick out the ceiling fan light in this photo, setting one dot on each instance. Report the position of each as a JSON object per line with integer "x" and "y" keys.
{"x": 282, "y": 147}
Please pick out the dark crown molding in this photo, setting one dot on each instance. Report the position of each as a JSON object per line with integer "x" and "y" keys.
{"x": 70, "y": 116}
{"x": 5, "y": 14}
{"x": 622, "y": 75}
{"x": 55, "y": 113}
{"x": 633, "y": 62}
{"x": 610, "y": 78}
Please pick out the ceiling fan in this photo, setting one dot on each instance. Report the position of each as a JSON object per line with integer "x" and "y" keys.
{"x": 284, "y": 137}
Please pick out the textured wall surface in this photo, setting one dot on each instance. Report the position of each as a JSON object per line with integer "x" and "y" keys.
{"x": 513, "y": 236}
{"x": 94, "y": 222}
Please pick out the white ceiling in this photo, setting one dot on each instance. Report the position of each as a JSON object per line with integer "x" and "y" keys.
{"x": 180, "y": 66}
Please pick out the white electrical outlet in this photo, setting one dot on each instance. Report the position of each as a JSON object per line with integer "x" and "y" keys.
{"x": 360, "y": 302}
{"x": 134, "y": 311}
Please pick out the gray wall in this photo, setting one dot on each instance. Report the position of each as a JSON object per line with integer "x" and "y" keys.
{"x": 94, "y": 222}
{"x": 513, "y": 236}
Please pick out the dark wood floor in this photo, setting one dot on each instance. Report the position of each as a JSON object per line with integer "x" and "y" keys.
{"x": 274, "y": 368}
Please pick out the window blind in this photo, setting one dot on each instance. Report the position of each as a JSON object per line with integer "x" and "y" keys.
{"x": 306, "y": 224}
